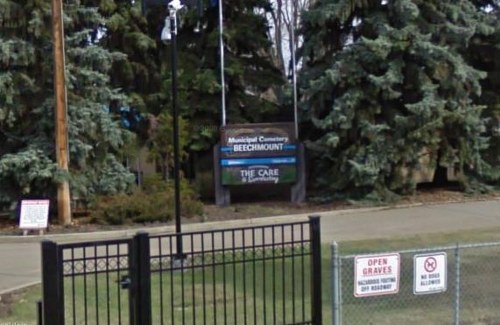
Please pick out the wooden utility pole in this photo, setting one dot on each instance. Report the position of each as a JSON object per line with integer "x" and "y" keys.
{"x": 61, "y": 130}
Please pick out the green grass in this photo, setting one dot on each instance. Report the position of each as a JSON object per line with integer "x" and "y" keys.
{"x": 480, "y": 290}
{"x": 420, "y": 241}
{"x": 178, "y": 297}
{"x": 20, "y": 306}
{"x": 236, "y": 299}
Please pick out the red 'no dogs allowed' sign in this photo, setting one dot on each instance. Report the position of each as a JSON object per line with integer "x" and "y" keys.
{"x": 430, "y": 273}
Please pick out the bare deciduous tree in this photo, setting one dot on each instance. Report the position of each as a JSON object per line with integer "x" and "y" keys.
{"x": 284, "y": 21}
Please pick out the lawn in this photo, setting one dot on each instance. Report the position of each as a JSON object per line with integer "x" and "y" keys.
{"x": 242, "y": 292}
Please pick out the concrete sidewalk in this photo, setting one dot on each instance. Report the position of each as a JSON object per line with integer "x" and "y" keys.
{"x": 20, "y": 256}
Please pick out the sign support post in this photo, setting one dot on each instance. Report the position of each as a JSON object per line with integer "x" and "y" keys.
{"x": 222, "y": 193}
{"x": 298, "y": 190}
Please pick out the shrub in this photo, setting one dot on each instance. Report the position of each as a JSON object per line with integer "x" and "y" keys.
{"x": 152, "y": 203}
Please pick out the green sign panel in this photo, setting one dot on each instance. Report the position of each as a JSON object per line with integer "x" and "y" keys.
{"x": 258, "y": 154}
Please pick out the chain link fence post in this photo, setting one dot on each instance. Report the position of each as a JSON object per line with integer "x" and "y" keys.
{"x": 457, "y": 286}
{"x": 335, "y": 285}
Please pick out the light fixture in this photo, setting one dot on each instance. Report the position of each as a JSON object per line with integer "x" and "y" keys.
{"x": 175, "y": 5}
{"x": 166, "y": 33}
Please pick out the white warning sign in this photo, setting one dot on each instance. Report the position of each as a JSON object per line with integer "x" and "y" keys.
{"x": 429, "y": 273}
{"x": 376, "y": 275}
{"x": 34, "y": 214}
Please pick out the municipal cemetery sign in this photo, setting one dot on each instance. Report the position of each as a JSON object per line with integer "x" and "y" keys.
{"x": 258, "y": 154}
{"x": 430, "y": 273}
{"x": 376, "y": 275}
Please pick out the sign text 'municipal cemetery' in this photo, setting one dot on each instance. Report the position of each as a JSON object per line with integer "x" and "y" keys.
{"x": 258, "y": 154}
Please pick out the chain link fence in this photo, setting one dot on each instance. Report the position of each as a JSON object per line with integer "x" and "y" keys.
{"x": 434, "y": 286}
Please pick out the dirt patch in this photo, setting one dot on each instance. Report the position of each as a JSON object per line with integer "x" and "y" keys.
{"x": 276, "y": 208}
{"x": 8, "y": 300}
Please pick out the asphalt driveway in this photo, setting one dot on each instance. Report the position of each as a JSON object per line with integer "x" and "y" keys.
{"x": 20, "y": 256}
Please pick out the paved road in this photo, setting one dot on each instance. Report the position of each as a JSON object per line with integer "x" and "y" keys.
{"x": 20, "y": 257}
{"x": 417, "y": 220}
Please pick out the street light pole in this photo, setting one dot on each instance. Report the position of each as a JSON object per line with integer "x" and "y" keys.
{"x": 222, "y": 63}
{"x": 169, "y": 35}
{"x": 294, "y": 68}
{"x": 175, "y": 112}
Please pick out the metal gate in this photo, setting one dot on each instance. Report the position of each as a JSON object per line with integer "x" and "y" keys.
{"x": 87, "y": 283}
{"x": 254, "y": 275}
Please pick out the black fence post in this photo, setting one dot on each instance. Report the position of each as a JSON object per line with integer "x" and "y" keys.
{"x": 140, "y": 276}
{"x": 39, "y": 312}
{"x": 52, "y": 284}
{"x": 317, "y": 305}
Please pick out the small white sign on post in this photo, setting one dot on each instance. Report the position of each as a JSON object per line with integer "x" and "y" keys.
{"x": 376, "y": 275}
{"x": 34, "y": 215}
{"x": 430, "y": 273}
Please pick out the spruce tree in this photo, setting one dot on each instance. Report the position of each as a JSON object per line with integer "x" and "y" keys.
{"x": 96, "y": 138}
{"x": 128, "y": 30}
{"x": 27, "y": 155}
{"x": 250, "y": 70}
{"x": 147, "y": 72}
{"x": 25, "y": 164}
{"x": 385, "y": 85}
{"x": 250, "y": 73}
{"x": 483, "y": 53}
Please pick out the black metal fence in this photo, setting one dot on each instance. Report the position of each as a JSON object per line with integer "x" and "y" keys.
{"x": 83, "y": 283}
{"x": 256, "y": 275}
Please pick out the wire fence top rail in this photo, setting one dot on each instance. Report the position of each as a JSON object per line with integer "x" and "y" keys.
{"x": 423, "y": 250}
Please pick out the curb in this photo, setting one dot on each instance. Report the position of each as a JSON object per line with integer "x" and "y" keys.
{"x": 191, "y": 227}
{"x": 18, "y": 288}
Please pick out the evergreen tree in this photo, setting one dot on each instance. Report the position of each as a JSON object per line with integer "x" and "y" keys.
{"x": 250, "y": 69}
{"x": 96, "y": 138}
{"x": 23, "y": 163}
{"x": 385, "y": 85}
{"x": 126, "y": 29}
{"x": 27, "y": 154}
{"x": 483, "y": 53}
{"x": 250, "y": 74}
{"x": 146, "y": 71}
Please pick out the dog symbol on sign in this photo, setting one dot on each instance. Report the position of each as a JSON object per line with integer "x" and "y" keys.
{"x": 430, "y": 264}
